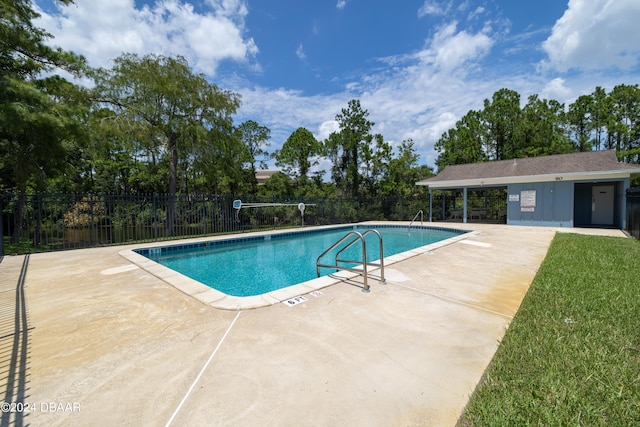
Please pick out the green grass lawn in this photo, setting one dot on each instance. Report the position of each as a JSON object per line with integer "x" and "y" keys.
{"x": 571, "y": 356}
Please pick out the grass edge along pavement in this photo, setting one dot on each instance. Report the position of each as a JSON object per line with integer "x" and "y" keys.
{"x": 571, "y": 355}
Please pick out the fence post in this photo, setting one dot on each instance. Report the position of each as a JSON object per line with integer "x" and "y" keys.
{"x": 91, "y": 222}
{"x": 37, "y": 229}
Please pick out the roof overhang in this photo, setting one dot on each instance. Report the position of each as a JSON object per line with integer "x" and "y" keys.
{"x": 502, "y": 181}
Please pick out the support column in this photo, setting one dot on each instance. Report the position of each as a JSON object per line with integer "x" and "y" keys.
{"x": 444, "y": 205}
{"x": 464, "y": 201}
{"x": 430, "y": 206}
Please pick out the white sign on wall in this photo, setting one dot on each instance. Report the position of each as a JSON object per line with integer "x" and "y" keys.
{"x": 528, "y": 201}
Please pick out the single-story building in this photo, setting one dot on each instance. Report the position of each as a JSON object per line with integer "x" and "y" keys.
{"x": 564, "y": 190}
{"x": 263, "y": 175}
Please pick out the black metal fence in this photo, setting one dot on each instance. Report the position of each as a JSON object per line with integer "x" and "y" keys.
{"x": 633, "y": 212}
{"x": 483, "y": 206}
{"x": 51, "y": 222}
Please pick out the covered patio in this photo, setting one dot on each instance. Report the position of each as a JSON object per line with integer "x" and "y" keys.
{"x": 476, "y": 205}
{"x": 584, "y": 189}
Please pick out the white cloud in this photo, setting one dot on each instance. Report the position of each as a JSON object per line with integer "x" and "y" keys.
{"x": 229, "y": 8}
{"x": 419, "y": 96}
{"x": 414, "y": 95}
{"x": 326, "y": 128}
{"x": 300, "y": 52}
{"x": 434, "y": 7}
{"x": 450, "y": 50}
{"x": 595, "y": 34}
{"x": 556, "y": 89}
{"x": 103, "y": 30}
{"x": 477, "y": 12}
{"x": 283, "y": 111}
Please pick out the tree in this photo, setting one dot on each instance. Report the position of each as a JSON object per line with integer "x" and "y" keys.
{"x": 299, "y": 153}
{"x": 403, "y": 172}
{"x": 624, "y": 126}
{"x": 375, "y": 163}
{"x": 118, "y": 163}
{"x": 612, "y": 119}
{"x": 346, "y": 147}
{"x": 23, "y": 52}
{"x": 164, "y": 107}
{"x": 279, "y": 184}
{"x": 36, "y": 113}
{"x": 503, "y": 130}
{"x": 466, "y": 143}
{"x": 221, "y": 162}
{"x": 599, "y": 111}
{"x": 540, "y": 131}
{"x": 254, "y": 137}
{"x": 502, "y": 115}
{"x": 580, "y": 121}
{"x": 35, "y": 124}
{"x": 161, "y": 104}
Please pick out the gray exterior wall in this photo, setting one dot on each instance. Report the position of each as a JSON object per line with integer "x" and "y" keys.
{"x": 553, "y": 204}
{"x": 561, "y": 203}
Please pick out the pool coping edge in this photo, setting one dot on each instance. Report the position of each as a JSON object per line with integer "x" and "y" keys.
{"x": 216, "y": 299}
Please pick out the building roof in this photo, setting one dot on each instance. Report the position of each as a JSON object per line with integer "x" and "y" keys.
{"x": 263, "y": 175}
{"x": 588, "y": 165}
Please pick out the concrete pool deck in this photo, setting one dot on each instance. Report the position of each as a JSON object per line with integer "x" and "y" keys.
{"x": 88, "y": 338}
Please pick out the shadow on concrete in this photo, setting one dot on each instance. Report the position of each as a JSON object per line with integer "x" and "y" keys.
{"x": 14, "y": 352}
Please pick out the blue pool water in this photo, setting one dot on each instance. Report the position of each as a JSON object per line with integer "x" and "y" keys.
{"x": 259, "y": 264}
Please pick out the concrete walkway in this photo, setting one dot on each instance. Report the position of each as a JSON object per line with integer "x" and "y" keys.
{"x": 100, "y": 341}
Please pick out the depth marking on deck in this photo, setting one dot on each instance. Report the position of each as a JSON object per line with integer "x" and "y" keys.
{"x": 294, "y": 301}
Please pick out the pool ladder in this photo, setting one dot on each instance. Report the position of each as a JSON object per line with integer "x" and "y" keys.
{"x": 415, "y": 217}
{"x": 363, "y": 270}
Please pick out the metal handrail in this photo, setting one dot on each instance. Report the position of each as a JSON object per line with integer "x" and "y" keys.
{"x": 414, "y": 218}
{"x": 380, "y": 264}
{"x": 365, "y": 264}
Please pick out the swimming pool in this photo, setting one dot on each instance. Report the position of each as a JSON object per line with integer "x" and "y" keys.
{"x": 254, "y": 265}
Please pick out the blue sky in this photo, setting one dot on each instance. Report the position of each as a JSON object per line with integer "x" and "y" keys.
{"x": 417, "y": 66}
